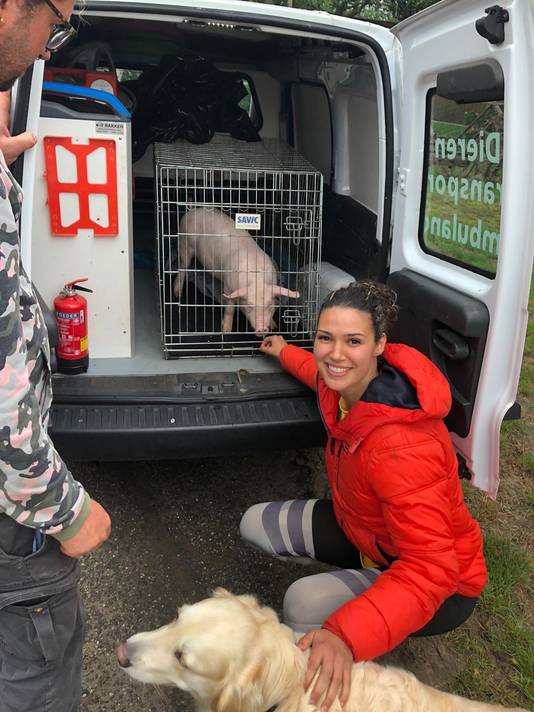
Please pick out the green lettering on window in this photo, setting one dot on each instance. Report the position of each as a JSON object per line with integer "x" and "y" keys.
{"x": 462, "y": 201}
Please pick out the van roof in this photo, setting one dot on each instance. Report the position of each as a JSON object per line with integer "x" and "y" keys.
{"x": 312, "y": 20}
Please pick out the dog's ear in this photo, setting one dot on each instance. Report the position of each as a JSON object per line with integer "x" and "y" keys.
{"x": 264, "y": 612}
{"x": 246, "y": 599}
{"x": 244, "y": 693}
{"x": 249, "y": 601}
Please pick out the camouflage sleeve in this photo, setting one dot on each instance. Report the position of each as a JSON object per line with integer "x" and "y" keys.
{"x": 36, "y": 487}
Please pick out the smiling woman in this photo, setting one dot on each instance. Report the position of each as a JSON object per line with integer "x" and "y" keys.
{"x": 409, "y": 555}
{"x": 351, "y": 337}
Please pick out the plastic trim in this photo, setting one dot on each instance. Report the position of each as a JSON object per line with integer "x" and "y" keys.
{"x": 88, "y": 93}
{"x": 145, "y": 432}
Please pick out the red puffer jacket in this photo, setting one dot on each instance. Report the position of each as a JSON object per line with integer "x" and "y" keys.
{"x": 395, "y": 488}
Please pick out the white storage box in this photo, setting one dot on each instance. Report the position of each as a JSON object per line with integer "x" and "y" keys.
{"x": 82, "y": 221}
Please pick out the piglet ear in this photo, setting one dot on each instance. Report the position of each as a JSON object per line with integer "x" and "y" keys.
{"x": 241, "y": 292}
{"x": 284, "y": 292}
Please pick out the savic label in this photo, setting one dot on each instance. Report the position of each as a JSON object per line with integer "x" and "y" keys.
{"x": 248, "y": 221}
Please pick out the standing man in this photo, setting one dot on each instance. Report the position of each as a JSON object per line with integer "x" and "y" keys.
{"x": 47, "y": 520}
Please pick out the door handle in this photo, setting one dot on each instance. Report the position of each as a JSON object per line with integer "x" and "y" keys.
{"x": 451, "y": 344}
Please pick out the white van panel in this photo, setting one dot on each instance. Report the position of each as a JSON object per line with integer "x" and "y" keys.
{"x": 443, "y": 38}
{"x": 107, "y": 261}
{"x": 357, "y": 148}
{"x": 313, "y": 126}
{"x": 30, "y": 157}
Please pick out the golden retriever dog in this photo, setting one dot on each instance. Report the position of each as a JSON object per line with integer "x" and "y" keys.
{"x": 234, "y": 655}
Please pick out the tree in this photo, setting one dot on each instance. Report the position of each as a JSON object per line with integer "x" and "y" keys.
{"x": 384, "y": 10}
{"x": 349, "y": 8}
{"x": 398, "y": 10}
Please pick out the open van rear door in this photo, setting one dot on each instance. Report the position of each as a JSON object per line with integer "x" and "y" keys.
{"x": 463, "y": 236}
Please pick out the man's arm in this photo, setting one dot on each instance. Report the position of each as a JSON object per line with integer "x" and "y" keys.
{"x": 36, "y": 487}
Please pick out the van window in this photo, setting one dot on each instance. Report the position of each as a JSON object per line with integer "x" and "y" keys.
{"x": 128, "y": 75}
{"x": 462, "y": 181}
{"x": 250, "y": 103}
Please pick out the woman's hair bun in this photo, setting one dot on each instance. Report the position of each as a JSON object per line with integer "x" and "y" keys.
{"x": 375, "y": 298}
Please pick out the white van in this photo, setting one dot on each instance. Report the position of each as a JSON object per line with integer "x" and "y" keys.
{"x": 404, "y": 155}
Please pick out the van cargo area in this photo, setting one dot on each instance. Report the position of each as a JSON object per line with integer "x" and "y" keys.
{"x": 129, "y": 132}
{"x": 298, "y": 94}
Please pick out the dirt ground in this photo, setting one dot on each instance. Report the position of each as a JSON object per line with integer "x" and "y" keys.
{"x": 175, "y": 537}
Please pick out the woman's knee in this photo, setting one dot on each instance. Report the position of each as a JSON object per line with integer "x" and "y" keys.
{"x": 252, "y": 530}
{"x": 309, "y": 601}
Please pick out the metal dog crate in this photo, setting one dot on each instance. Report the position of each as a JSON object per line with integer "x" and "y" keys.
{"x": 268, "y": 179}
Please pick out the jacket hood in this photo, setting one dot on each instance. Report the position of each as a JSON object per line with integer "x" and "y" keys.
{"x": 410, "y": 389}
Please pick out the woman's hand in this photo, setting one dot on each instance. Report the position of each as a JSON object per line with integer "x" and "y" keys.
{"x": 273, "y": 345}
{"x": 329, "y": 653}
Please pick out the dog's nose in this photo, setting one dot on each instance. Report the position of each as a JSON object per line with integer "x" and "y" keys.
{"x": 122, "y": 655}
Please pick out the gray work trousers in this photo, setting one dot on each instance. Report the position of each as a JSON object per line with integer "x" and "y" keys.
{"x": 41, "y": 624}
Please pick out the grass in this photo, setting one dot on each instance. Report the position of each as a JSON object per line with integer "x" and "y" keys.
{"x": 442, "y": 128}
{"x": 526, "y": 384}
{"x": 498, "y": 654}
{"x": 496, "y": 647}
{"x": 526, "y": 460}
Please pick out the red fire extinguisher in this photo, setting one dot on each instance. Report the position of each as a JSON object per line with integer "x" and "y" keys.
{"x": 71, "y": 318}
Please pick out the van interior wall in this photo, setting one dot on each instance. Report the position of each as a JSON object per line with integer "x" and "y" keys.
{"x": 351, "y": 206}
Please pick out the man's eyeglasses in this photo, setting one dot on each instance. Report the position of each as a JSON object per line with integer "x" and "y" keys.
{"x": 62, "y": 33}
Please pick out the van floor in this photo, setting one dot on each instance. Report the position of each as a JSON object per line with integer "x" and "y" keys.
{"x": 148, "y": 355}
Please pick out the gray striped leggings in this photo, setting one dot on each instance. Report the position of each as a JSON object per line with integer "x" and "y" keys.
{"x": 304, "y": 530}
{"x": 307, "y": 529}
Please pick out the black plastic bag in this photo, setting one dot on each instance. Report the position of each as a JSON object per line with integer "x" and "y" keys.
{"x": 187, "y": 97}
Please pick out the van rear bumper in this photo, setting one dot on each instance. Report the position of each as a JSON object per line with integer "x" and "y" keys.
{"x": 176, "y": 431}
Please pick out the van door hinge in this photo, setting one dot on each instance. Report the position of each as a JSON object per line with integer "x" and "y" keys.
{"x": 402, "y": 180}
{"x": 491, "y": 27}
